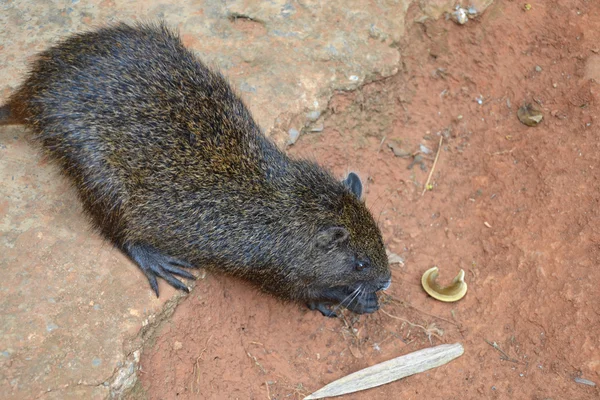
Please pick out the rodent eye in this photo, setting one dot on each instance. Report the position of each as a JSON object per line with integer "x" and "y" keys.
{"x": 361, "y": 265}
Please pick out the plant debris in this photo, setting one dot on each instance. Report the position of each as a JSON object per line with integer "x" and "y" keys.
{"x": 451, "y": 293}
{"x": 391, "y": 370}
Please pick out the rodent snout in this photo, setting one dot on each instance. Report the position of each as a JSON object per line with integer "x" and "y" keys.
{"x": 386, "y": 285}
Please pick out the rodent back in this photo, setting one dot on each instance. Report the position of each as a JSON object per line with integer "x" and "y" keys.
{"x": 130, "y": 113}
{"x": 133, "y": 99}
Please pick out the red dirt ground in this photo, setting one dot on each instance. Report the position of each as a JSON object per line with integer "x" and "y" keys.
{"x": 532, "y": 273}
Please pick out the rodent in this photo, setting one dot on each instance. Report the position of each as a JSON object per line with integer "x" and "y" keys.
{"x": 174, "y": 171}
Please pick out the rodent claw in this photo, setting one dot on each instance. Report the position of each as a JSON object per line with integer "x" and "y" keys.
{"x": 155, "y": 264}
{"x": 153, "y": 283}
{"x": 178, "y": 271}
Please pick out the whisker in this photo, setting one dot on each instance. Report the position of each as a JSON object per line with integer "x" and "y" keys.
{"x": 352, "y": 296}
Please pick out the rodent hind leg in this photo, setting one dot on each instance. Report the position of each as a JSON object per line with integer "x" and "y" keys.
{"x": 155, "y": 264}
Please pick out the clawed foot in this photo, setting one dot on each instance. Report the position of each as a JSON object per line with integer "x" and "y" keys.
{"x": 155, "y": 264}
{"x": 322, "y": 308}
{"x": 365, "y": 304}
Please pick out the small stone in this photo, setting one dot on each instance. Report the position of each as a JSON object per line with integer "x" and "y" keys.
{"x": 394, "y": 258}
{"x": 424, "y": 149}
{"x": 584, "y": 381}
{"x": 529, "y": 116}
{"x": 460, "y": 16}
{"x": 294, "y": 135}
{"x": 313, "y": 115}
{"x": 398, "y": 151}
{"x": 555, "y": 85}
{"x": 96, "y": 362}
{"x": 51, "y": 326}
{"x": 317, "y": 128}
{"x": 177, "y": 345}
{"x": 538, "y": 68}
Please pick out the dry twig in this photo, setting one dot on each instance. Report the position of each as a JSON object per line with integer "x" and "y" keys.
{"x": 429, "y": 331}
{"x": 196, "y": 370}
{"x": 381, "y": 143}
{"x": 503, "y": 356}
{"x": 433, "y": 167}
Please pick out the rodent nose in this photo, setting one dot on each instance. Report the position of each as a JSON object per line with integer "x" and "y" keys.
{"x": 386, "y": 284}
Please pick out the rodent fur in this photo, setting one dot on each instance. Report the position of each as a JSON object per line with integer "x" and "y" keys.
{"x": 174, "y": 171}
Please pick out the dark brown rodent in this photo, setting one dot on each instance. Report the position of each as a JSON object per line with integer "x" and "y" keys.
{"x": 174, "y": 171}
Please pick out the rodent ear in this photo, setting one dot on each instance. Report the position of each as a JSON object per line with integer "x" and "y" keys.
{"x": 331, "y": 237}
{"x": 353, "y": 183}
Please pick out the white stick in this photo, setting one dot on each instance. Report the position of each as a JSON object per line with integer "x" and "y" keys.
{"x": 392, "y": 370}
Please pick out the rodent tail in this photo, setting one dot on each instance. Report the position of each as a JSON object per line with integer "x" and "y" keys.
{"x": 7, "y": 117}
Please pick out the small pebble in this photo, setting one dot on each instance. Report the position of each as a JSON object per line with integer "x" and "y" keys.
{"x": 585, "y": 381}
{"x": 294, "y": 135}
{"x": 317, "y": 128}
{"x": 460, "y": 16}
{"x": 398, "y": 151}
{"x": 529, "y": 116}
{"x": 313, "y": 115}
{"x": 538, "y": 68}
{"x": 424, "y": 149}
{"x": 394, "y": 258}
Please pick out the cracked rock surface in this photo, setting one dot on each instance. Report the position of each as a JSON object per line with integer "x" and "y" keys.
{"x": 74, "y": 311}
